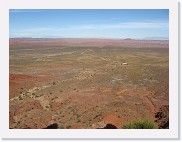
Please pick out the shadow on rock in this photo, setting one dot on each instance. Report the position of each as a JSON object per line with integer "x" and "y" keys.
{"x": 52, "y": 126}
{"x": 109, "y": 126}
{"x": 162, "y": 117}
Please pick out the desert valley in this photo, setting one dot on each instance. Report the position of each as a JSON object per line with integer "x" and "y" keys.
{"x": 74, "y": 83}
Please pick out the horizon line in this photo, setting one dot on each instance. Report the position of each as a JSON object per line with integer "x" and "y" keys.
{"x": 146, "y": 38}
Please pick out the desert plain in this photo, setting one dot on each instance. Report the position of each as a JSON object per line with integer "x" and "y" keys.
{"x": 87, "y": 83}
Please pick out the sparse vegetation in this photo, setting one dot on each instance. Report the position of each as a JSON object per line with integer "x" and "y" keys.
{"x": 20, "y": 98}
{"x": 115, "y": 91}
{"x": 61, "y": 127}
{"x": 78, "y": 116}
{"x": 141, "y": 124}
{"x": 68, "y": 127}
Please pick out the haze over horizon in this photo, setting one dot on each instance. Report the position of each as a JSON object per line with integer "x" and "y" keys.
{"x": 111, "y": 23}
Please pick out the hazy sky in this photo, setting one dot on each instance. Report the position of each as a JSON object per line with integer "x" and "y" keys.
{"x": 89, "y": 23}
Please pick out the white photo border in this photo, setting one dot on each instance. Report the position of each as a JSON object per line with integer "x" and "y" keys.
{"x": 171, "y": 133}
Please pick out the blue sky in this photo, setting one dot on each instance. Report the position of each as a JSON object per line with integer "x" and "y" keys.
{"x": 108, "y": 23}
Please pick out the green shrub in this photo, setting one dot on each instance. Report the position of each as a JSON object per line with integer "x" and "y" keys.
{"x": 61, "y": 127}
{"x": 20, "y": 98}
{"x": 68, "y": 127}
{"x": 141, "y": 124}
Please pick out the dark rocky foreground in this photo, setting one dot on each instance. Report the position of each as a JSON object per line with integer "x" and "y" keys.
{"x": 162, "y": 117}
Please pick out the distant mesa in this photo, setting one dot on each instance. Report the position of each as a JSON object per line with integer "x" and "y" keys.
{"x": 21, "y": 38}
{"x": 128, "y": 39}
{"x": 156, "y": 38}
